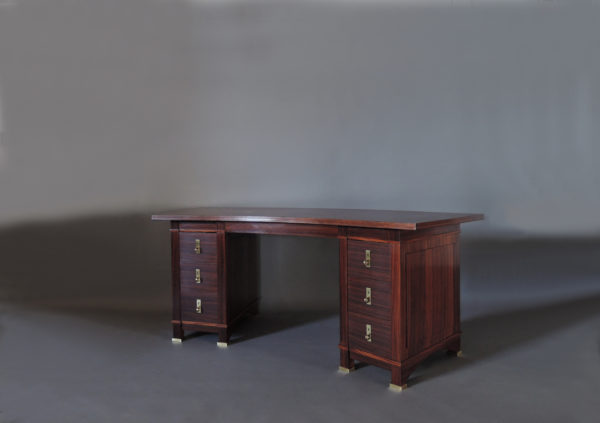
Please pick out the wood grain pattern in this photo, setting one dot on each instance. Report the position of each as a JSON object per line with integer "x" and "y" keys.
{"x": 282, "y": 229}
{"x": 414, "y": 276}
{"x": 208, "y": 275}
{"x": 426, "y": 233}
{"x": 381, "y": 299}
{"x": 175, "y": 283}
{"x": 457, "y": 289}
{"x": 380, "y": 344}
{"x": 343, "y": 282}
{"x": 381, "y": 260}
{"x": 210, "y": 306}
{"x": 397, "y": 300}
{"x": 197, "y": 227}
{"x": 208, "y": 246}
{"x": 384, "y": 219}
{"x": 431, "y": 302}
{"x": 223, "y": 288}
{"x": 373, "y": 359}
{"x": 369, "y": 234}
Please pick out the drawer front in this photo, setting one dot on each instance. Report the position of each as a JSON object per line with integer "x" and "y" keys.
{"x": 201, "y": 275}
{"x": 380, "y": 338}
{"x": 197, "y": 248}
{"x": 380, "y": 265}
{"x": 378, "y": 304}
{"x": 198, "y": 226}
{"x": 209, "y": 306}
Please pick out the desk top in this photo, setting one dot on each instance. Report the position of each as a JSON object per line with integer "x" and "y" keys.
{"x": 385, "y": 219}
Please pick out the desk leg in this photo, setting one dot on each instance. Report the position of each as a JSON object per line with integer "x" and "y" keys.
{"x": 224, "y": 335}
{"x": 346, "y": 363}
{"x": 399, "y": 379}
{"x": 454, "y": 348}
{"x": 177, "y": 331}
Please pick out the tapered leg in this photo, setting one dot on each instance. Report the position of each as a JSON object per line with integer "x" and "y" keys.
{"x": 346, "y": 363}
{"x": 224, "y": 335}
{"x": 177, "y": 333}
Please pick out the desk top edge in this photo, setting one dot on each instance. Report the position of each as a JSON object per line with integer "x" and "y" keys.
{"x": 381, "y": 219}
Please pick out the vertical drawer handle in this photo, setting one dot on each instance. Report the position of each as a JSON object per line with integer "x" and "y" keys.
{"x": 199, "y": 306}
{"x": 198, "y": 276}
{"x": 368, "y": 336}
{"x": 367, "y": 260}
{"x": 197, "y": 250}
{"x": 367, "y": 298}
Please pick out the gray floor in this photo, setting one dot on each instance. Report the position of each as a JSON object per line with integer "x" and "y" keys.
{"x": 71, "y": 365}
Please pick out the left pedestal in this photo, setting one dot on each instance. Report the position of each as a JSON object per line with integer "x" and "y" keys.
{"x": 206, "y": 297}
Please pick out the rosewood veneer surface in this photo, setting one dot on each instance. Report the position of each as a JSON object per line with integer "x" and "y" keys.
{"x": 387, "y": 219}
{"x": 399, "y": 276}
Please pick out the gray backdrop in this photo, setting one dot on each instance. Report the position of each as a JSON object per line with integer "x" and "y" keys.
{"x": 115, "y": 109}
{"x": 111, "y": 110}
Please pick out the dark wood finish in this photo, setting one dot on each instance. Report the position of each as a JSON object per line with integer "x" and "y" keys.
{"x": 175, "y": 285}
{"x": 242, "y": 275}
{"x": 381, "y": 260}
{"x": 430, "y": 290}
{"x": 345, "y": 361}
{"x": 223, "y": 287}
{"x": 208, "y": 275}
{"x": 197, "y": 227}
{"x": 373, "y": 359}
{"x": 414, "y": 276}
{"x": 385, "y": 219}
{"x": 381, "y": 332}
{"x": 456, "y": 266}
{"x": 282, "y": 229}
{"x": 422, "y": 233}
{"x": 381, "y": 299}
{"x": 397, "y": 295}
{"x": 208, "y": 248}
{"x": 210, "y": 306}
{"x": 368, "y": 234}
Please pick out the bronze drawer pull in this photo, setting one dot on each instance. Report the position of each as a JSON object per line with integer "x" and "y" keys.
{"x": 368, "y": 336}
{"x": 367, "y": 298}
{"x": 197, "y": 250}
{"x": 199, "y": 306}
{"x": 367, "y": 260}
{"x": 198, "y": 276}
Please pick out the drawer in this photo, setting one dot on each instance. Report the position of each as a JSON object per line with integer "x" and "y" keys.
{"x": 198, "y": 226}
{"x": 197, "y": 247}
{"x": 200, "y": 275}
{"x": 380, "y": 339}
{"x": 209, "y": 306}
{"x": 378, "y": 304}
{"x": 380, "y": 264}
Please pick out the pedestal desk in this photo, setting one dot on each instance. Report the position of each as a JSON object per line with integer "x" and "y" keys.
{"x": 399, "y": 277}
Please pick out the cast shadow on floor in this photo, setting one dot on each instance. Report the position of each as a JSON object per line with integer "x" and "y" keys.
{"x": 489, "y": 335}
{"x": 483, "y": 337}
{"x": 269, "y": 322}
{"x": 156, "y": 323}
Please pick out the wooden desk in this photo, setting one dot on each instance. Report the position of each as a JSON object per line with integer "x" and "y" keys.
{"x": 399, "y": 277}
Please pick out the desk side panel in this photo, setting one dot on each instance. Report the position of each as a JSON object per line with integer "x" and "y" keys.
{"x": 431, "y": 279}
